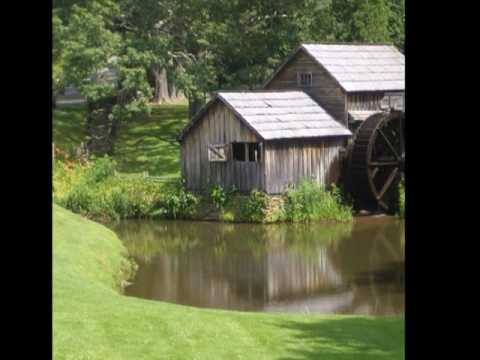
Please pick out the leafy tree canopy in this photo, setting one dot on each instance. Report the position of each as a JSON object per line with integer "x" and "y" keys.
{"x": 203, "y": 45}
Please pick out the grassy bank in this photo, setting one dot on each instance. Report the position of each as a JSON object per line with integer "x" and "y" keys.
{"x": 147, "y": 143}
{"x": 91, "y": 320}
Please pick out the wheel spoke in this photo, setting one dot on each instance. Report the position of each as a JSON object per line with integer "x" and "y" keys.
{"x": 387, "y": 184}
{"x": 389, "y": 144}
{"x": 383, "y": 163}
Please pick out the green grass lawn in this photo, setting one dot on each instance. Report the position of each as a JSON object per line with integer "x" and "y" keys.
{"x": 68, "y": 126}
{"x": 144, "y": 144}
{"x": 91, "y": 320}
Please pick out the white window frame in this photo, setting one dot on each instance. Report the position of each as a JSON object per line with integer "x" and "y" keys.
{"x": 214, "y": 150}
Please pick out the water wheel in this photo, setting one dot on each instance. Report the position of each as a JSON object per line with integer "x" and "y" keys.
{"x": 377, "y": 161}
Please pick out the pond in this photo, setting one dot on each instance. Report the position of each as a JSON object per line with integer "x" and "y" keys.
{"x": 308, "y": 268}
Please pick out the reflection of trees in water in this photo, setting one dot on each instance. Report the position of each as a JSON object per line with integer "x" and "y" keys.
{"x": 245, "y": 266}
{"x": 146, "y": 239}
{"x": 376, "y": 277}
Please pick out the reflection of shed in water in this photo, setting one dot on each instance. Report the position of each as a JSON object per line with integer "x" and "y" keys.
{"x": 240, "y": 281}
{"x": 275, "y": 268}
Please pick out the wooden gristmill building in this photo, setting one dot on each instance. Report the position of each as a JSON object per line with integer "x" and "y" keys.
{"x": 323, "y": 98}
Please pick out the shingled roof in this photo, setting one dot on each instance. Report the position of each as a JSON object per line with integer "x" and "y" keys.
{"x": 278, "y": 114}
{"x": 367, "y": 67}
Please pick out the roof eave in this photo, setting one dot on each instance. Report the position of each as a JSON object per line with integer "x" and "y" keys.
{"x": 375, "y": 90}
{"x": 204, "y": 109}
{"x": 194, "y": 119}
{"x": 309, "y": 137}
{"x": 282, "y": 65}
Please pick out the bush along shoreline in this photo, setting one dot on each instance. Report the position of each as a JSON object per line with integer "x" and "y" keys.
{"x": 93, "y": 190}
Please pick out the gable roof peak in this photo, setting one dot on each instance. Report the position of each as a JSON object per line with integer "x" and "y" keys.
{"x": 356, "y": 67}
{"x": 277, "y": 114}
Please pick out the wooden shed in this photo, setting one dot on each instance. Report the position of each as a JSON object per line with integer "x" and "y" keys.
{"x": 350, "y": 81}
{"x": 261, "y": 140}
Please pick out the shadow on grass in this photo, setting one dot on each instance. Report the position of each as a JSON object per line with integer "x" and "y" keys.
{"x": 345, "y": 339}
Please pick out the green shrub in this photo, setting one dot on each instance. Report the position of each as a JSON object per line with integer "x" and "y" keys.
{"x": 253, "y": 208}
{"x": 93, "y": 191}
{"x": 311, "y": 201}
{"x": 176, "y": 203}
{"x": 218, "y": 196}
{"x": 80, "y": 199}
{"x": 100, "y": 170}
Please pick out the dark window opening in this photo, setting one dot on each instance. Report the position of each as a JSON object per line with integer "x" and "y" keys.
{"x": 305, "y": 79}
{"x": 246, "y": 152}
{"x": 238, "y": 150}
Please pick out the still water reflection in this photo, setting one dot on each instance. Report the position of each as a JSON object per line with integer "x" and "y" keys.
{"x": 348, "y": 269}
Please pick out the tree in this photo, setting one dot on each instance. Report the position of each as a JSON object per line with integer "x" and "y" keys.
{"x": 104, "y": 68}
{"x": 361, "y": 20}
{"x": 156, "y": 48}
{"x": 397, "y": 22}
{"x": 57, "y": 60}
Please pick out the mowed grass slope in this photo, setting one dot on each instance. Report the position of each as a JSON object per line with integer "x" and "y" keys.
{"x": 68, "y": 126}
{"x": 91, "y": 320}
{"x": 147, "y": 143}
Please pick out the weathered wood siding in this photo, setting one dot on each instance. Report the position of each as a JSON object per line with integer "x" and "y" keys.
{"x": 367, "y": 101}
{"x": 288, "y": 162}
{"x": 325, "y": 90}
{"x": 219, "y": 126}
{"x": 364, "y": 101}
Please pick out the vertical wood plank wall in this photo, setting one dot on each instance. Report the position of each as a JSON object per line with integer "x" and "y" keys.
{"x": 219, "y": 126}
{"x": 366, "y": 100}
{"x": 288, "y": 162}
{"x": 325, "y": 90}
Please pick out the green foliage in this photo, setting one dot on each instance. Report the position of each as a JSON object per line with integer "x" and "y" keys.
{"x": 311, "y": 201}
{"x": 81, "y": 199}
{"x": 253, "y": 208}
{"x": 396, "y": 23}
{"x": 57, "y": 60}
{"x": 99, "y": 170}
{"x": 178, "y": 203}
{"x": 93, "y": 191}
{"x": 370, "y": 21}
{"x": 218, "y": 196}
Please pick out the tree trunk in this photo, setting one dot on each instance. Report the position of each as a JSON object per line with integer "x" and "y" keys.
{"x": 175, "y": 94}
{"x": 172, "y": 91}
{"x": 161, "y": 94}
{"x": 100, "y": 127}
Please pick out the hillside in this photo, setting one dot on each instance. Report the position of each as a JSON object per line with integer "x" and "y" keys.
{"x": 145, "y": 144}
